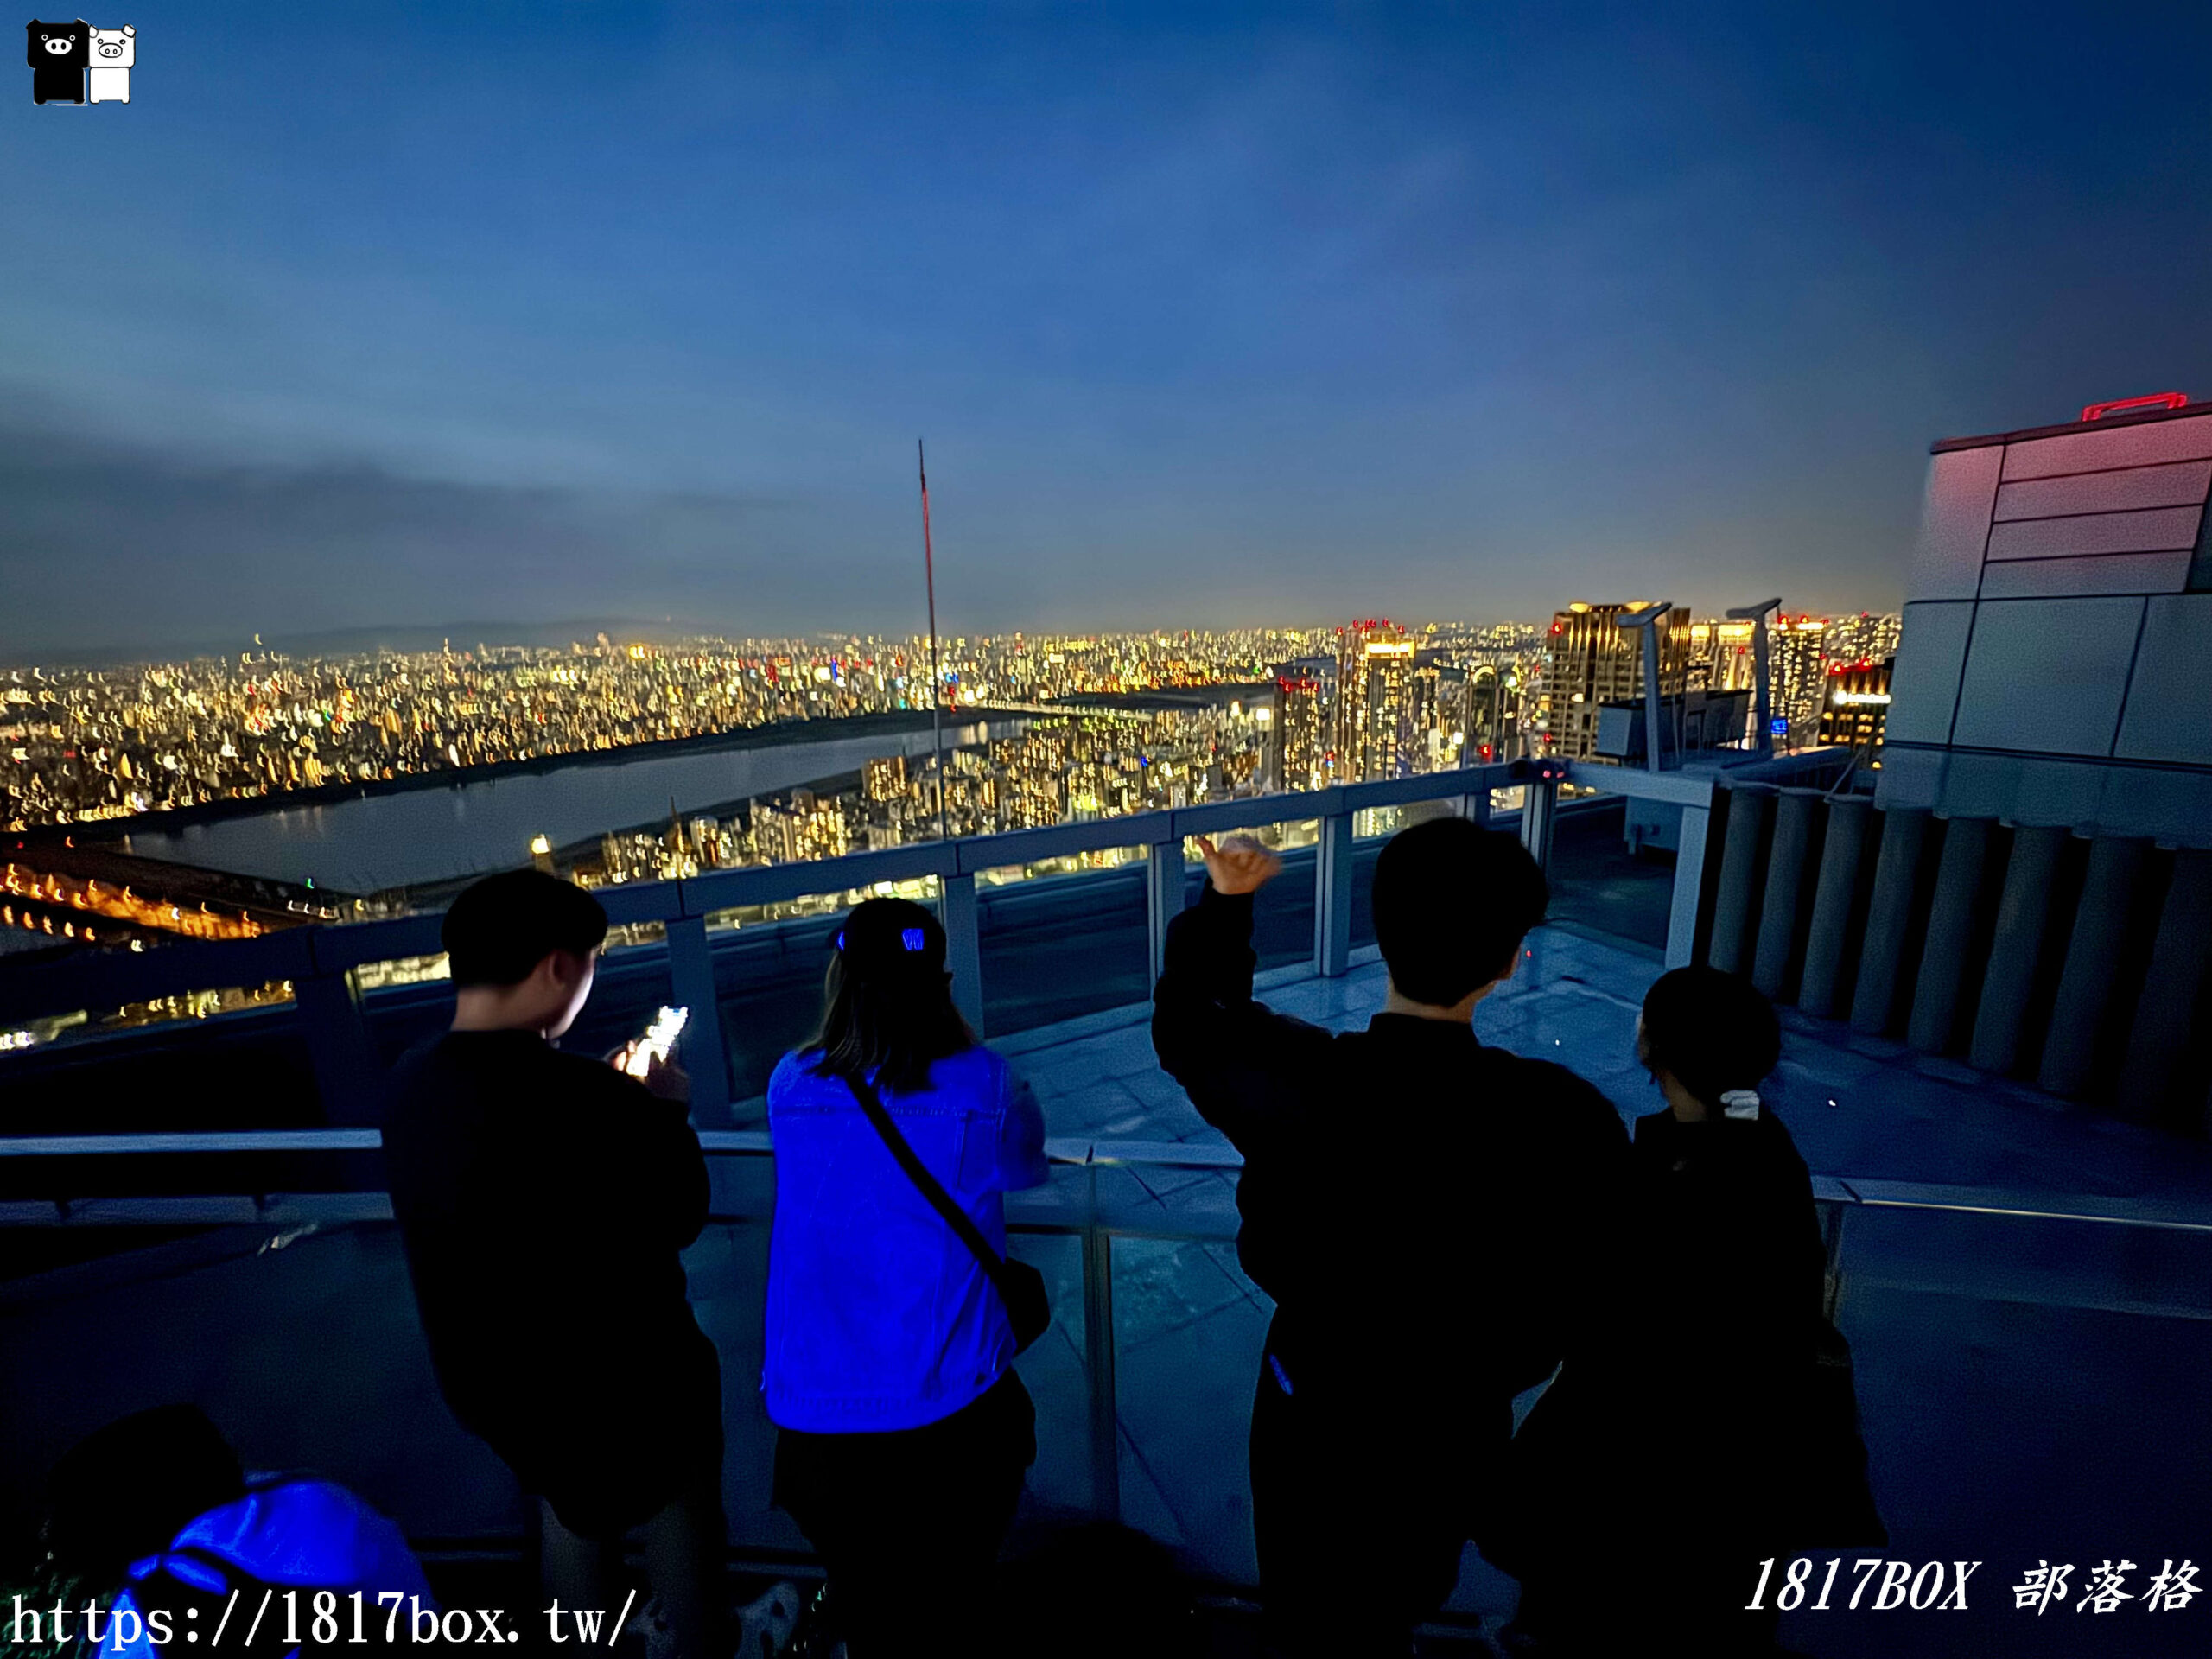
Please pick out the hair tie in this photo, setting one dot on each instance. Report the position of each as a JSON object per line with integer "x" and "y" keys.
{"x": 1740, "y": 1103}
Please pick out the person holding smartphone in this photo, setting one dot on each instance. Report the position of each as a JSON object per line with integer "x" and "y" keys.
{"x": 545, "y": 1201}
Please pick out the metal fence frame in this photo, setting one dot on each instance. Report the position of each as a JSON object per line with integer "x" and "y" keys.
{"x": 318, "y": 960}
{"x": 326, "y": 1008}
{"x": 1047, "y": 1212}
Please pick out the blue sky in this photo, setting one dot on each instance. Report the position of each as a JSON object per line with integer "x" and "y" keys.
{"x": 1210, "y": 313}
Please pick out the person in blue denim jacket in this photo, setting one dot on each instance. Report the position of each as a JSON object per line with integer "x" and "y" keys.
{"x": 904, "y": 1430}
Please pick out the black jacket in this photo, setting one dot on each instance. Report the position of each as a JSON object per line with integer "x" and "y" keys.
{"x": 1428, "y": 1213}
{"x": 1700, "y": 1414}
{"x": 543, "y": 1199}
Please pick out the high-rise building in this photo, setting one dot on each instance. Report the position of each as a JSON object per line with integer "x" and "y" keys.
{"x": 1722, "y": 657}
{"x": 1591, "y": 659}
{"x": 1856, "y": 705}
{"x": 1799, "y": 664}
{"x": 1493, "y": 713}
{"x": 1440, "y": 711}
{"x": 884, "y": 779}
{"x": 1300, "y": 752}
{"x": 1374, "y": 716}
{"x": 1866, "y": 638}
{"x": 812, "y": 826}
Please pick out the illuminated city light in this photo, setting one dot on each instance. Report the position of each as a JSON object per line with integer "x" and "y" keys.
{"x": 2155, "y": 400}
{"x": 1301, "y": 708}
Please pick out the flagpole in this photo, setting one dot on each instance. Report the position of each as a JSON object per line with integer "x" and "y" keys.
{"x": 936, "y": 678}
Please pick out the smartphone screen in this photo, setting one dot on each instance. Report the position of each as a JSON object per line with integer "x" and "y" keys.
{"x": 660, "y": 1039}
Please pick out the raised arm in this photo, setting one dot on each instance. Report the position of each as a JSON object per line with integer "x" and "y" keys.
{"x": 1246, "y": 1069}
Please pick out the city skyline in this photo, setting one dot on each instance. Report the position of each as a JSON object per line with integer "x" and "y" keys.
{"x": 1364, "y": 699}
{"x": 1406, "y": 311}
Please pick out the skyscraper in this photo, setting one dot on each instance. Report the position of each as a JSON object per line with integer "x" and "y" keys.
{"x": 1300, "y": 751}
{"x": 1857, "y": 704}
{"x": 883, "y": 779}
{"x": 1593, "y": 660}
{"x": 1721, "y": 659}
{"x": 1800, "y": 668}
{"x": 1374, "y": 714}
{"x": 1493, "y": 712}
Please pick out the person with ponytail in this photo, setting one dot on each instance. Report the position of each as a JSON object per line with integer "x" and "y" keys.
{"x": 903, "y": 1430}
{"x": 1677, "y": 1447}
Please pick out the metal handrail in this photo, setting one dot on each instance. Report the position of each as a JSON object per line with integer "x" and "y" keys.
{"x": 103, "y": 978}
{"x": 2179, "y": 1214}
{"x": 1045, "y": 1210}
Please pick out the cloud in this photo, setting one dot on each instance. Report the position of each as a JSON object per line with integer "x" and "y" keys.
{"x": 111, "y": 542}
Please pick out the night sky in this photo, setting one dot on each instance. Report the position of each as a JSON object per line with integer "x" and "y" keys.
{"x": 1211, "y": 315}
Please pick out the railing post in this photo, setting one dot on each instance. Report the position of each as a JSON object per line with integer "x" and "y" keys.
{"x": 348, "y": 1077}
{"x": 1689, "y": 886}
{"x": 1332, "y": 897}
{"x": 706, "y": 1056}
{"x": 1163, "y": 896}
{"x": 1475, "y": 807}
{"x": 1098, "y": 1350}
{"x": 1832, "y": 1280}
{"x": 1539, "y": 809}
{"x": 963, "y": 947}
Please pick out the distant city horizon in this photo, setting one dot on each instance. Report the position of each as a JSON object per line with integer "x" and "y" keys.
{"x": 407, "y": 638}
{"x": 1341, "y": 702}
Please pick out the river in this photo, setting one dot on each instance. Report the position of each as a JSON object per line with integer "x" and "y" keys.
{"x": 413, "y": 838}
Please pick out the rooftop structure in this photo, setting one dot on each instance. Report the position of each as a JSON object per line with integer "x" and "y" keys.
{"x": 1593, "y": 660}
{"x": 2053, "y": 666}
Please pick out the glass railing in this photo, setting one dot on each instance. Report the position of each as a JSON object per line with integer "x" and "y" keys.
{"x": 2028, "y": 1376}
{"x": 1044, "y": 926}
{"x": 1062, "y": 937}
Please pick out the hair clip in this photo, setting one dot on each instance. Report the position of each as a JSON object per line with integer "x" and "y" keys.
{"x": 1740, "y": 1103}
{"x": 911, "y": 938}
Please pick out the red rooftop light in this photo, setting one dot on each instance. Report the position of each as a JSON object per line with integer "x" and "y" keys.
{"x": 2156, "y": 400}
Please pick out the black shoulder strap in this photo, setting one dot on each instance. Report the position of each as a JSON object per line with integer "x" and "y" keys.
{"x": 928, "y": 1184}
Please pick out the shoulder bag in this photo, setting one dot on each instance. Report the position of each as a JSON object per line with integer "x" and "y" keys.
{"x": 1019, "y": 1286}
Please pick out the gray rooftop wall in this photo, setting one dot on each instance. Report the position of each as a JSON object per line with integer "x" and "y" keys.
{"x": 2054, "y": 667}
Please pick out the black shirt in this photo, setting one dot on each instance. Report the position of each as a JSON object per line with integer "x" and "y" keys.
{"x": 543, "y": 1199}
{"x": 1691, "y": 1421}
{"x": 1731, "y": 1278}
{"x": 1429, "y": 1213}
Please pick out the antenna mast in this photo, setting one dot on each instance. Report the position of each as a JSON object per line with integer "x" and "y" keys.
{"x": 936, "y": 678}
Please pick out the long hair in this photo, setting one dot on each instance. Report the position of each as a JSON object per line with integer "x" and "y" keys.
{"x": 886, "y": 999}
